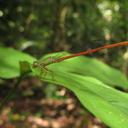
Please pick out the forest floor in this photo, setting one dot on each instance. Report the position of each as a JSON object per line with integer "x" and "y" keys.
{"x": 42, "y": 112}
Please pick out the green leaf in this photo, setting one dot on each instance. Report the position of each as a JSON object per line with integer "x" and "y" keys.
{"x": 105, "y": 102}
{"x": 9, "y": 62}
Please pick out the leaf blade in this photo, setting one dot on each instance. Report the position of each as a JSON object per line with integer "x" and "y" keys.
{"x": 9, "y": 62}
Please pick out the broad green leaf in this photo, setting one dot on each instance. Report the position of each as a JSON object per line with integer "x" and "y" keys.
{"x": 105, "y": 102}
{"x": 91, "y": 67}
{"x": 9, "y": 62}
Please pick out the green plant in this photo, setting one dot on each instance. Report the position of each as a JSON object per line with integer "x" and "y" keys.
{"x": 91, "y": 80}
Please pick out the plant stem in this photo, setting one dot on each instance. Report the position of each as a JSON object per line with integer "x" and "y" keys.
{"x": 11, "y": 92}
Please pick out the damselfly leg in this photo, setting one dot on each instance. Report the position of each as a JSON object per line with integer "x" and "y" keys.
{"x": 42, "y": 66}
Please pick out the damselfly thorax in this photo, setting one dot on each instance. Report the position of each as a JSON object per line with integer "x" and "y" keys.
{"x": 42, "y": 65}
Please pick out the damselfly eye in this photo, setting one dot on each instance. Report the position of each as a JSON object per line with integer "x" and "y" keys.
{"x": 35, "y": 64}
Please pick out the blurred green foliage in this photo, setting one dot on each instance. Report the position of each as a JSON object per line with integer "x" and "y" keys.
{"x": 47, "y": 26}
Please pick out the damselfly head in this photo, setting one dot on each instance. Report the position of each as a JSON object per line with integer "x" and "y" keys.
{"x": 35, "y": 64}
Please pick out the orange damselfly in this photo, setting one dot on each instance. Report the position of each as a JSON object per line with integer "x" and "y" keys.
{"x": 43, "y": 64}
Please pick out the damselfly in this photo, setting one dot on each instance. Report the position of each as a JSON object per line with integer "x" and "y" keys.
{"x": 42, "y": 64}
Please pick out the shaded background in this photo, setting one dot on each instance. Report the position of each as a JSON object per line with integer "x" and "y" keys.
{"x": 39, "y": 27}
